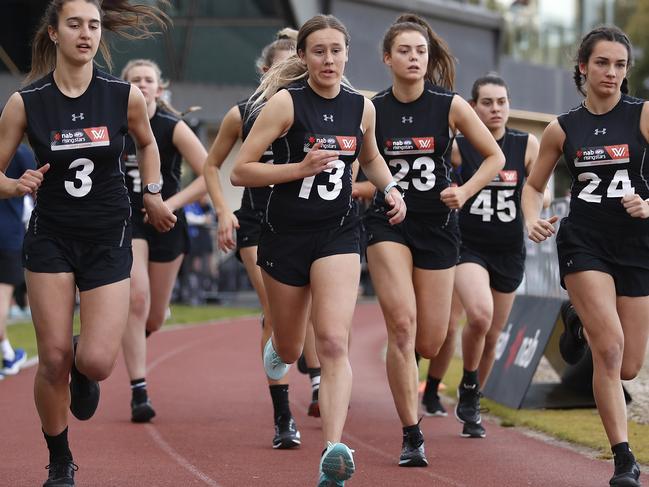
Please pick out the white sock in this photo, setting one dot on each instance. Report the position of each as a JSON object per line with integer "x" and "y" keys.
{"x": 7, "y": 350}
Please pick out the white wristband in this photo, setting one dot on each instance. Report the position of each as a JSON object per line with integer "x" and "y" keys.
{"x": 389, "y": 186}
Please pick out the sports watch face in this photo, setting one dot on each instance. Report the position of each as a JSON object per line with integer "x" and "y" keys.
{"x": 152, "y": 188}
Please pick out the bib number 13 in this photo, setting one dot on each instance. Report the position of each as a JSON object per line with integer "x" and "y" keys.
{"x": 82, "y": 183}
{"x": 335, "y": 178}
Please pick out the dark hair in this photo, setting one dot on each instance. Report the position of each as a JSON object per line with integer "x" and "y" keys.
{"x": 491, "y": 78}
{"x": 441, "y": 63}
{"x": 604, "y": 33}
{"x": 285, "y": 40}
{"x": 131, "y": 21}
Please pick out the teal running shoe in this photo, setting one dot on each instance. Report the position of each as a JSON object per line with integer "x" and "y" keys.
{"x": 273, "y": 364}
{"x": 336, "y": 465}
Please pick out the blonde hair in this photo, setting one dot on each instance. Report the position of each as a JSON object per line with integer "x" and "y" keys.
{"x": 293, "y": 69}
{"x": 163, "y": 83}
{"x": 130, "y": 21}
{"x": 441, "y": 63}
{"x": 285, "y": 40}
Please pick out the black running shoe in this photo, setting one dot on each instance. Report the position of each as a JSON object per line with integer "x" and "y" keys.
{"x": 61, "y": 474}
{"x": 467, "y": 409}
{"x": 433, "y": 406}
{"x": 286, "y": 433}
{"x": 627, "y": 471}
{"x": 142, "y": 412}
{"x": 84, "y": 393}
{"x": 412, "y": 455}
{"x": 301, "y": 365}
{"x": 473, "y": 430}
{"x": 572, "y": 343}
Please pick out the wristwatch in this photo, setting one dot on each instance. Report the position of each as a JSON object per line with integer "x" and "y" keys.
{"x": 390, "y": 185}
{"x": 152, "y": 188}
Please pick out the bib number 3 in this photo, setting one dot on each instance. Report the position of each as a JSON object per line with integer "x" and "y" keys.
{"x": 82, "y": 183}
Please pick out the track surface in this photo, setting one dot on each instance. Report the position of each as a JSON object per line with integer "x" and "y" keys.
{"x": 214, "y": 426}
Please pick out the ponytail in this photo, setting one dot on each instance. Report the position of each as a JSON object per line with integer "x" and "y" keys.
{"x": 441, "y": 63}
{"x": 604, "y": 33}
{"x": 293, "y": 68}
{"x": 130, "y": 21}
{"x": 285, "y": 40}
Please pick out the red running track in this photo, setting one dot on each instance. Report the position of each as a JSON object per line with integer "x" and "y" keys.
{"x": 214, "y": 426}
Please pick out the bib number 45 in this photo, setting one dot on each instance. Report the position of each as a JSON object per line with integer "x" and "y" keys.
{"x": 505, "y": 206}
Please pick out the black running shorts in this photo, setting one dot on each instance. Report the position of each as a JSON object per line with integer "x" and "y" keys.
{"x": 249, "y": 231}
{"x": 433, "y": 246}
{"x": 624, "y": 257}
{"x": 163, "y": 246}
{"x": 11, "y": 271}
{"x": 287, "y": 257}
{"x": 92, "y": 264}
{"x": 505, "y": 269}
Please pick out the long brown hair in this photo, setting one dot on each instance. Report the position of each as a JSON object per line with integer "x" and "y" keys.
{"x": 131, "y": 21}
{"x": 441, "y": 63}
{"x": 604, "y": 33}
{"x": 293, "y": 69}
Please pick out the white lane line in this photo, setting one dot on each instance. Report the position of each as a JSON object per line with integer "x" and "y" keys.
{"x": 157, "y": 437}
{"x": 180, "y": 460}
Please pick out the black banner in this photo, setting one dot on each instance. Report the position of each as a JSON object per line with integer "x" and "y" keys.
{"x": 520, "y": 348}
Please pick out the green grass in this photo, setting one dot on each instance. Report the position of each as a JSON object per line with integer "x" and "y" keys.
{"x": 579, "y": 426}
{"x": 21, "y": 334}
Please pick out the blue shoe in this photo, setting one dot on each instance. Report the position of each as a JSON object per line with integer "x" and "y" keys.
{"x": 336, "y": 466}
{"x": 11, "y": 367}
{"x": 273, "y": 364}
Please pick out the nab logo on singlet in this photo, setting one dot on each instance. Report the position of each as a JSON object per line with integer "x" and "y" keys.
{"x": 601, "y": 155}
{"x": 68, "y": 139}
{"x": 409, "y": 145}
{"x": 505, "y": 178}
{"x": 344, "y": 144}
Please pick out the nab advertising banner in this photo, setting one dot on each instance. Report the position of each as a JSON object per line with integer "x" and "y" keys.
{"x": 520, "y": 348}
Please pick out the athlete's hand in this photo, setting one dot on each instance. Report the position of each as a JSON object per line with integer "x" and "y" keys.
{"x": 540, "y": 229}
{"x": 225, "y": 238}
{"x": 157, "y": 213}
{"x": 31, "y": 180}
{"x": 635, "y": 206}
{"x": 398, "y": 211}
{"x": 318, "y": 160}
{"x": 454, "y": 197}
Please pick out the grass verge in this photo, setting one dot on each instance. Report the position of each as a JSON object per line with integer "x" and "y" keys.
{"x": 22, "y": 335}
{"x": 578, "y": 426}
